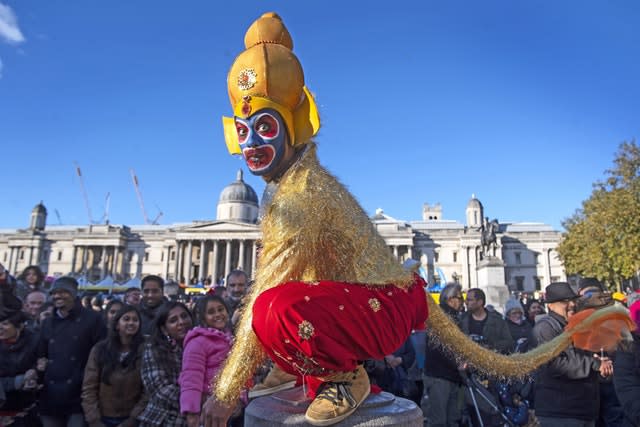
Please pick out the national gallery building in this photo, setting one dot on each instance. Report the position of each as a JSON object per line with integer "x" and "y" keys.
{"x": 447, "y": 250}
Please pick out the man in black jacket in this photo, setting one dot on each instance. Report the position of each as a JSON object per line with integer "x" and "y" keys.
{"x": 66, "y": 338}
{"x": 443, "y": 400}
{"x": 152, "y": 299}
{"x": 566, "y": 388}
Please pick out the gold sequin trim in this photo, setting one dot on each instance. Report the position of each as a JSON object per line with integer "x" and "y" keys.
{"x": 305, "y": 330}
{"x": 374, "y": 304}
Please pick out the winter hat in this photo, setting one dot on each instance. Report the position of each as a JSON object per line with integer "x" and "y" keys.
{"x": 559, "y": 291}
{"x": 65, "y": 283}
{"x": 591, "y": 282}
{"x": 512, "y": 304}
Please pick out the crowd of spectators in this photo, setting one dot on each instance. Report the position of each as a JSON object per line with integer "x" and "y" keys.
{"x": 142, "y": 359}
{"x": 130, "y": 360}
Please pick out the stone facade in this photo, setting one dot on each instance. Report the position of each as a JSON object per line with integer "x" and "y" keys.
{"x": 447, "y": 250}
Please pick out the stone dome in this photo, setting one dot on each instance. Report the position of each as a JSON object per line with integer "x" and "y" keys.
{"x": 238, "y": 202}
{"x": 474, "y": 203}
{"x": 238, "y": 191}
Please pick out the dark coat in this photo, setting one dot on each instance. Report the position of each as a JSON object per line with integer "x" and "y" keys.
{"x": 15, "y": 360}
{"x": 626, "y": 378}
{"x": 438, "y": 362}
{"x": 147, "y": 314}
{"x": 66, "y": 343}
{"x": 567, "y": 386}
{"x": 521, "y": 334}
{"x": 495, "y": 332}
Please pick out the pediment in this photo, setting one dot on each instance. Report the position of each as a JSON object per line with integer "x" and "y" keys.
{"x": 217, "y": 226}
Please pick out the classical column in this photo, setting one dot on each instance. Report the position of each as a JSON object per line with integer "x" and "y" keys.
{"x": 409, "y": 252}
{"x": 116, "y": 270}
{"x": 188, "y": 266}
{"x": 254, "y": 259}
{"x": 241, "y": 256}
{"x": 103, "y": 262}
{"x": 73, "y": 259}
{"x": 466, "y": 268}
{"x": 227, "y": 261}
{"x": 30, "y": 255}
{"x": 202, "y": 260}
{"x": 166, "y": 262}
{"x": 179, "y": 261}
{"x": 214, "y": 273}
{"x": 85, "y": 254}
{"x": 395, "y": 251}
{"x": 9, "y": 266}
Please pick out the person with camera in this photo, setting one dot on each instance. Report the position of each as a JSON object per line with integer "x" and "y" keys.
{"x": 485, "y": 327}
{"x": 566, "y": 388}
{"x": 490, "y": 330}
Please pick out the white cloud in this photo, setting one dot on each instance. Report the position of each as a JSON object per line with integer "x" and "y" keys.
{"x": 9, "y": 25}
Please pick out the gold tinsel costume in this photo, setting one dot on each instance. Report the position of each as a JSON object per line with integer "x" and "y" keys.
{"x": 313, "y": 228}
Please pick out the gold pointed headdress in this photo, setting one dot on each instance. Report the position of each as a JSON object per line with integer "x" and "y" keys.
{"x": 268, "y": 75}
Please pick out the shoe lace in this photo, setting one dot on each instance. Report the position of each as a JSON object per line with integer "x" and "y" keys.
{"x": 335, "y": 392}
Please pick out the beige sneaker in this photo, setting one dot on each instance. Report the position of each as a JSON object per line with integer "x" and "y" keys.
{"x": 276, "y": 380}
{"x": 338, "y": 397}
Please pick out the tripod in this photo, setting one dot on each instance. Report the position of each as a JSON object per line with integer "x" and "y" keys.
{"x": 475, "y": 388}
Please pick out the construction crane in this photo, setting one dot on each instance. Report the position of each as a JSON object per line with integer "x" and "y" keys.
{"x": 136, "y": 185}
{"x": 84, "y": 193}
{"x": 58, "y": 216}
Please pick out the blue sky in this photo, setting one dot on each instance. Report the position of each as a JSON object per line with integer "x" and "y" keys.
{"x": 416, "y": 98}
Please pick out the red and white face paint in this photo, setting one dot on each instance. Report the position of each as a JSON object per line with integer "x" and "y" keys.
{"x": 263, "y": 141}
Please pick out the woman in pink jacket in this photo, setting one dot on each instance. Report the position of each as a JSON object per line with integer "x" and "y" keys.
{"x": 205, "y": 349}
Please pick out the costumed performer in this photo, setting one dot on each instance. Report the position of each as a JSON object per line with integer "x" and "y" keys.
{"x": 328, "y": 292}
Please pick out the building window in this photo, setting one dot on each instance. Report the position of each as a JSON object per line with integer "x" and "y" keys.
{"x": 173, "y": 255}
{"x": 161, "y": 256}
{"x": 455, "y": 256}
{"x": 21, "y": 253}
{"x": 520, "y": 283}
{"x": 59, "y": 255}
{"x": 536, "y": 258}
{"x": 435, "y": 257}
{"x": 536, "y": 281}
{"x": 475, "y": 217}
{"x": 146, "y": 256}
{"x": 129, "y": 256}
{"x": 518, "y": 258}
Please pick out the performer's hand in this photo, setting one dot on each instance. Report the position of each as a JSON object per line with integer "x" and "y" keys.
{"x": 214, "y": 413}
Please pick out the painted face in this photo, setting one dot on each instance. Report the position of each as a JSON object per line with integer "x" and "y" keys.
{"x": 264, "y": 142}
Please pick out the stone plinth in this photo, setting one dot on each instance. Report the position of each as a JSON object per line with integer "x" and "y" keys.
{"x": 491, "y": 281}
{"x": 287, "y": 408}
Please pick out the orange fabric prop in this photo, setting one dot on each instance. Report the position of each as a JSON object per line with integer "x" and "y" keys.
{"x": 603, "y": 332}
